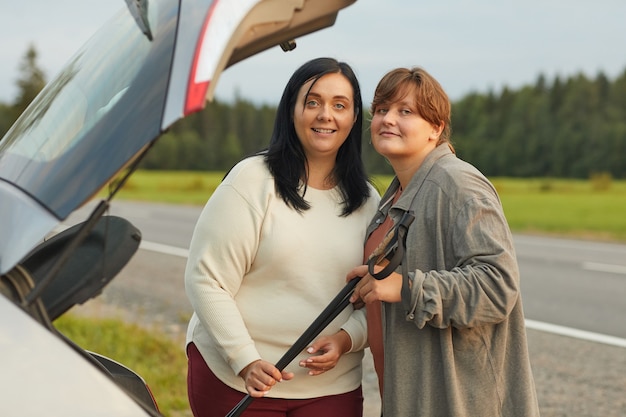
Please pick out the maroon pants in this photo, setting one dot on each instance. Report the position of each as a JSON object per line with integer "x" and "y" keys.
{"x": 210, "y": 397}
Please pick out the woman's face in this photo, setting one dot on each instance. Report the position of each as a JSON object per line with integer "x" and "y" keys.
{"x": 323, "y": 118}
{"x": 399, "y": 133}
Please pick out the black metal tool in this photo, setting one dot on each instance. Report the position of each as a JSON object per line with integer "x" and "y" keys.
{"x": 331, "y": 311}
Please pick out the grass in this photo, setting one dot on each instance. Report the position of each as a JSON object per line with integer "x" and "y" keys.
{"x": 571, "y": 208}
{"x": 152, "y": 354}
{"x": 591, "y": 209}
{"x": 175, "y": 187}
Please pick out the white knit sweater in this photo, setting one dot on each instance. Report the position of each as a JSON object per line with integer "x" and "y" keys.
{"x": 259, "y": 273}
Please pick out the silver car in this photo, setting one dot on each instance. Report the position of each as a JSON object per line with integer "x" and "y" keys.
{"x": 154, "y": 62}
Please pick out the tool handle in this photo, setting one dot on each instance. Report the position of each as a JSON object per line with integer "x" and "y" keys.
{"x": 332, "y": 310}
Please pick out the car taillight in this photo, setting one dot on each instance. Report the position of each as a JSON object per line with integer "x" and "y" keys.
{"x": 198, "y": 83}
{"x": 219, "y": 27}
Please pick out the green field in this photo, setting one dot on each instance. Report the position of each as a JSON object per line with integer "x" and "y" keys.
{"x": 584, "y": 209}
{"x": 591, "y": 209}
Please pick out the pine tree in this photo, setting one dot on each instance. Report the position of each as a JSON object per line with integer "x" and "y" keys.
{"x": 32, "y": 80}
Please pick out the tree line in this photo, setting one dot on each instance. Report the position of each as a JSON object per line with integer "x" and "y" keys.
{"x": 569, "y": 128}
{"x": 572, "y": 127}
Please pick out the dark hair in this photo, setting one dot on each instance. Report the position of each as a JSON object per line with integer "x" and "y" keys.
{"x": 286, "y": 158}
{"x": 432, "y": 101}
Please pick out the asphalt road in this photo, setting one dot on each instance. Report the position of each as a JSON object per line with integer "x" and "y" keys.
{"x": 574, "y": 295}
{"x": 571, "y": 283}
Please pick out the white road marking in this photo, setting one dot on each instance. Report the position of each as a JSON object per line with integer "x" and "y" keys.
{"x": 165, "y": 249}
{"x": 531, "y": 324}
{"x": 598, "y": 267}
{"x": 575, "y": 333}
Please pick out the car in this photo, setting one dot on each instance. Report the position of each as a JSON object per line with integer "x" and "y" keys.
{"x": 153, "y": 63}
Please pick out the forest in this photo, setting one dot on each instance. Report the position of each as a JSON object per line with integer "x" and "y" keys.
{"x": 566, "y": 127}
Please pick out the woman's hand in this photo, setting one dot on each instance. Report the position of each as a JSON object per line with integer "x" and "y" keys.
{"x": 357, "y": 272}
{"x": 370, "y": 289}
{"x": 260, "y": 376}
{"x": 327, "y": 350}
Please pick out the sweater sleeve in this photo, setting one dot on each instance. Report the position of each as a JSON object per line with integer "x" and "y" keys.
{"x": 222, "y": 248}
{"x": 356, "y": 327}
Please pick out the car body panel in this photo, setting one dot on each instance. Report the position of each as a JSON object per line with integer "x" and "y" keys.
{"x": 85, "y": 390}
{"x": 19, "y": 208}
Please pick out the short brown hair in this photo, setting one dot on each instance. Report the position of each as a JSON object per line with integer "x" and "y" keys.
{"x": 432, "y": 101}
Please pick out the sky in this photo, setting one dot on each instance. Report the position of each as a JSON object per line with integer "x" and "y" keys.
{"x": 468, "y": 45}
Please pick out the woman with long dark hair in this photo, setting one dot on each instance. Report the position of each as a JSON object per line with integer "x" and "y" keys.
{"x": 270, "y": 251}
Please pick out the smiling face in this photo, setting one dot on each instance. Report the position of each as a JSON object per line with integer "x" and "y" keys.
{"x": 324, "y": 115}
{"x": 410, "y": 118}
{"x": 401, "y": 134}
